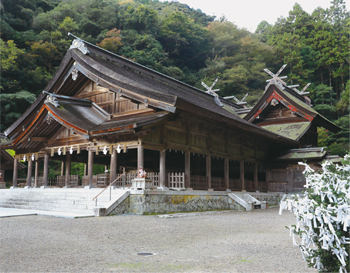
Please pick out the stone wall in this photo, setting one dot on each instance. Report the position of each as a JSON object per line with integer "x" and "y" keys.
{"x": 151, "y": 203}
{"x": 272, "y": 199}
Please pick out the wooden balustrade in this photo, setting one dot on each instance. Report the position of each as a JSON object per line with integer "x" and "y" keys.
{"x": 176, "y": 180}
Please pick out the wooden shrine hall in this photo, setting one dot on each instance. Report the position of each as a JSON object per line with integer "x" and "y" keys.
{"x": 101, "y": 108}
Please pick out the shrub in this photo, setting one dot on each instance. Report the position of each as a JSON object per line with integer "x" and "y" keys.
{"x": 323, "y": 217}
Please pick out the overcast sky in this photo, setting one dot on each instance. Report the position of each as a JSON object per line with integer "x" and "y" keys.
{"x": 249, "y": 13}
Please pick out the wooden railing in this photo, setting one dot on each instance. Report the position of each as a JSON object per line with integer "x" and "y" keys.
{"x": 198, "y": 182}
{"x": 109, "y": 186}
{"x": 176, "y": 180}
{"x": 73, "y": 181}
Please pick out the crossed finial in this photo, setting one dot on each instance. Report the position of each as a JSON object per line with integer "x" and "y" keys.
{"x": 275, "y": 79}
{"x": 239, "y": 102}
{"x": 212, "y": 92}
{"x": 302, "y": 92}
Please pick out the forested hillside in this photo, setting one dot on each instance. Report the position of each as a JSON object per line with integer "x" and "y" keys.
{"x": 183, "y": 43}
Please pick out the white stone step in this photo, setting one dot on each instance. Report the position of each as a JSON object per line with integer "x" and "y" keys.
{"x": 58, "y": 199}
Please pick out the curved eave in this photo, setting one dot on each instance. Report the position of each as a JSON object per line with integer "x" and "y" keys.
{"x": 36, "y": 104}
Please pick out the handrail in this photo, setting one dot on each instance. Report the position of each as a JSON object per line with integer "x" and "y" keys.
{"x": 110, "y": 184}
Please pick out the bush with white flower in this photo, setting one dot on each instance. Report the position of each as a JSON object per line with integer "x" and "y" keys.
{"x": 323, "y": 217}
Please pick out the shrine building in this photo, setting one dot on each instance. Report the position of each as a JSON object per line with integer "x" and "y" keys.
{"x": 101, "y": 108}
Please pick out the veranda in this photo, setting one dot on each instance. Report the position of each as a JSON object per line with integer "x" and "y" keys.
{"x": 168, "y": 169}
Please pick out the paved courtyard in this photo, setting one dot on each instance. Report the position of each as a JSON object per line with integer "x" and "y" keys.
{"x": 209, "y": 242}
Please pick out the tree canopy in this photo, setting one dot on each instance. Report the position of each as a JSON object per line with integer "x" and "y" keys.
{"x": 183, "y": 43}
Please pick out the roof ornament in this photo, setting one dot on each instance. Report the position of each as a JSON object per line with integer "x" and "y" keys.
{"x": 79, "y": 44}
{"x": 239, "y": 102}
{"x": 275, "y": 79}
{"x": 302, "y": 92}
{"x": 51, "y": 99}
{"x": 212, "y": 92}
{"x": 75, "y": 73}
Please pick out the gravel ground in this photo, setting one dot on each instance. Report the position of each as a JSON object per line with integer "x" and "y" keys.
{"x": 218, "y": 242}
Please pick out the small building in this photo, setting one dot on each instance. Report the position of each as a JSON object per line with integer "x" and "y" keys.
{"x": 288, "y": 112}
{"x": 101, "y": 108}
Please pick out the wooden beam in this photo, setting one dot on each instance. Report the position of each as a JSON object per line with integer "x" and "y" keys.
{"x": 187, "y": 169}
{"x": 114, "y": 162}
{"x": 90, "y": 167}
{"x": 15, "y": 172}
{"x": 208, "y": 171}
{"x": 30, "y": 171}
{"x": 162, "y": 169}
{"x": 241, "y": 170}
{"x": 68, "y": 168}
{"x": 227, "y": 172}
{"x": 36, "y": 174}
{"x": 46, "y": 170}
{"x": 39, "y": 138}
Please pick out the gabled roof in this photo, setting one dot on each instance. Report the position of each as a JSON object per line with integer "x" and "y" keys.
{"x": 292, "y": 100}
{"x": 86, "y": 62}
{"x": 293, "y": 130}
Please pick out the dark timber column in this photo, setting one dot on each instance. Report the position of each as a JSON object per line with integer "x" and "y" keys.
{"x": 113, "y": 172}
{"x": 162, "y": 171}
{"x": 187, "y": 170}
{"x": 85, "y": 169}
{"x": 68, "y": 168}
{"x": 227, "y": 174}
{"x": 30, "y": 171}
{"x": 62, "y": 168}
{"x": 90, "y": 167}
{"x": 36, "y": 174}
{"x": 208, "y": 171}
{"x": 46, "y": 170}
{"x": 242, "y": 174}
{"x": 140, "y": 153}
{"x": 256, "y": 177}
{"x": 15, "y": 172}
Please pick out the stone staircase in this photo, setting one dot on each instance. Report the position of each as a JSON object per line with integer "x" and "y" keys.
{"x": 70, "y": 200}
{"x": 247, "y": 201}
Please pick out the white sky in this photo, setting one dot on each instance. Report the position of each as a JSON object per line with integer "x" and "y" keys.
{"x": 249, "y": 13}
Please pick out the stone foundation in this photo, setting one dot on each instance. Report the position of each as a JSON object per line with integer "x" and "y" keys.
{"x": 154, "y": 202}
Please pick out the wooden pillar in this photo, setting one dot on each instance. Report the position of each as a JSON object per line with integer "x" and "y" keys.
{"x": 30, "y": 171}
{"x": 85, "y": 169}
{"x": 140, "y": 156}
{"x": 227, "y": 172}
{"x": 62, "y": 168}
{"x": 162, "y": 170}
{"x": 113, "y": 171}
{"x": 256, "y": 184}
{"x": 68, "y": 168}
{"x": 15, "y": 172}
{"x": 187, "y": 169}
{"x": 208, "y": 171}
{"x": 36, "y": 174}
{"x": 90, "y": 167}
{"x": 242, "y": 174}
{"x": 46, "y": 170}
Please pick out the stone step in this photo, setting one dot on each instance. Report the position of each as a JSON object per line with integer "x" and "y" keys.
{"x": 49, "y": 208}
{"x": 57, "y": 199}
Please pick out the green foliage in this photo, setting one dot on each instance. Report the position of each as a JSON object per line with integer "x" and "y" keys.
{"x": 183, "y": 43}
{"x": 9, "y": 53}
{"x": 12, "y": 105}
